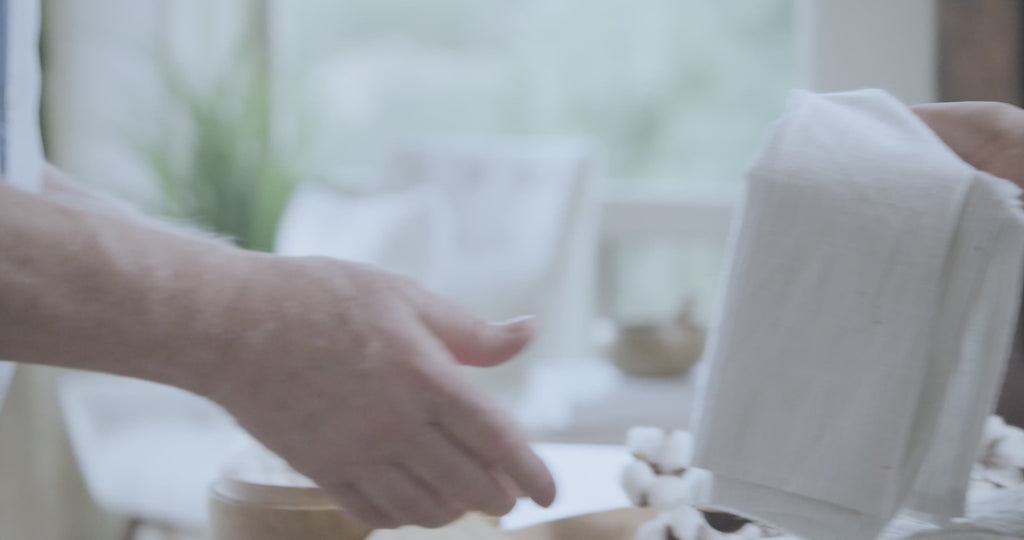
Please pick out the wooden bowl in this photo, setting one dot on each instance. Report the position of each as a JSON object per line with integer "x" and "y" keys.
{"x": 653, "y": 350}
{"x": 608, "y": 525}
{"x": 242, "y": 510}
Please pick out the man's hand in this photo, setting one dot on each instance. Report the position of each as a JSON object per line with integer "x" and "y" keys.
{"x": 349, "y": 373}
{"x": 988, "y": 135}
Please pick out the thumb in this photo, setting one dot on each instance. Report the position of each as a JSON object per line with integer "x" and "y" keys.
{"x": 472, "y": 341}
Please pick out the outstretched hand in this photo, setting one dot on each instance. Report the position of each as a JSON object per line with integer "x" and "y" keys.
{"x": 349, "y": 373}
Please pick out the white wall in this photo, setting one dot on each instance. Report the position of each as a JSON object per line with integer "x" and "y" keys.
{"x": 103, "y": 84}
{"x": 889, "y": 44}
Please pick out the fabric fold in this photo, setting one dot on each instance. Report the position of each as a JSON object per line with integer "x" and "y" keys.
{"x": 868, "y": 310}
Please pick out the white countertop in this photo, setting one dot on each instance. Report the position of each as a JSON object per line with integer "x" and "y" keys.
{"x": 587, "y": 476}
{"x": 588, "y": 400}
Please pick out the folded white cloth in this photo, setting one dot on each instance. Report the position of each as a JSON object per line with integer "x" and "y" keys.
{"x": 868, "y": 312}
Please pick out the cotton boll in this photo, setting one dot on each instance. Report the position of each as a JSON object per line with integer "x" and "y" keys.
{"x": 656, "y": 529}
{"x": 676, "y": 452}
{"x": 994, "y": 428}
{"x": 668, "y": 492}
{"x": 978, "y": 472}
{"x": 645, "y": 442}
{"x": 637, "y": 478}
{"x": 1002, "y": 512}
{"x": 1008, "y": 450}
{"x": 1004, "y": 477}
{"x": 692, "y": 489}
{"x": 991, "y": 433}
{"x": 687, "y": 522}
{"x": 750, "y": 530}
{"x": 980, "y": 496}
{"x": 700, "y": 481}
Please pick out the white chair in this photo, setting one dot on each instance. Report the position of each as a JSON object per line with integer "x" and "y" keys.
{"x": 522, "y": 230}
{"x": 502, "y": 226}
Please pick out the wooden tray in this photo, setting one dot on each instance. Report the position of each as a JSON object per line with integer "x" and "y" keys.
{"x": 611, "y": 525}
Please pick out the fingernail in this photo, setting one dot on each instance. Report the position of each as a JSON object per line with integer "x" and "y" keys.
{"x": 547, "y": 503}
{"x": 514, "y": 320}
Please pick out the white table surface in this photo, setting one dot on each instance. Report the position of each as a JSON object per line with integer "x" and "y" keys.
{"x": 588, "y": 400}
{"x": 587, "y": 476}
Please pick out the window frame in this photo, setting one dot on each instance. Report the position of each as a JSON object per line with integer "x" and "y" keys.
{"x": 831, "y": 36}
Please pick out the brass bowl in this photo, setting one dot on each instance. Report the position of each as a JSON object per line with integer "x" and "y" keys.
{"x": 618, "y": 524}
{"x": 241, "y": 510}
{"x": 653, "y": 350}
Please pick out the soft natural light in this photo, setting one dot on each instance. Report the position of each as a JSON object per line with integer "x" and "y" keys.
{"x": 568, "y": 171}
{"x": 674, "y": 92}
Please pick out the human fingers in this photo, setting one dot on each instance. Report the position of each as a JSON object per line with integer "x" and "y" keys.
{"x": 406, "y": 499}
{"x": 471, "y": 340}
{"x": 479, "y": 427}
{"x": 458, "y": 475}
{"x": 355, "y": 503}
{"x": 485, "y": 432}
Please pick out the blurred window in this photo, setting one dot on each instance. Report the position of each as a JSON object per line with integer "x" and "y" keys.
{"x": 676, "y": 93}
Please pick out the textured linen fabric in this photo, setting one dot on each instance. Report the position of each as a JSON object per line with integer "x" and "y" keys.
{"x": 868, "y": 313}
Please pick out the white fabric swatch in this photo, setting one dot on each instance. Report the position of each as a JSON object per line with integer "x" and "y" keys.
{"x": 868, "y": 312}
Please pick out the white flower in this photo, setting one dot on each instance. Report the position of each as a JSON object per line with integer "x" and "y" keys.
{"x": 1008, "y": 450}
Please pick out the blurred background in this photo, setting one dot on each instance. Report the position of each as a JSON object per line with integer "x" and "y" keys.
{"x": 575, "y": 159}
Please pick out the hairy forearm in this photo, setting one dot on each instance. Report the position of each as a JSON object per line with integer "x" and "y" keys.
{"x": 85, "y": 290}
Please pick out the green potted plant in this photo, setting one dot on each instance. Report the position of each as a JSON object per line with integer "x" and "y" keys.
{"x": 222, "y": 167}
